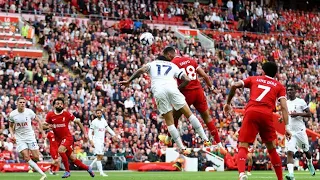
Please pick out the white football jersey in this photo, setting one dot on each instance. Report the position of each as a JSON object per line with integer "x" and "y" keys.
{"x": 163, "y": 74}
{"x": 297, "y": 105}
{"x": 99, "y": 128}
{"x": 22, "y": 121}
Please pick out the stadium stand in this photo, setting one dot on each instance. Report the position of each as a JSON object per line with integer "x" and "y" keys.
{"x": 95, "y": 57}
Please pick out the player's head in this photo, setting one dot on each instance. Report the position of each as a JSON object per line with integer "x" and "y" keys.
{"x": 58, "y": 104}
{"x": 270, "y": 69}
{"x": 99, "y": 113}
{"x": 291, "y": 90}
{"x": 21, "y": 102}
{"x": 169, "y": 53}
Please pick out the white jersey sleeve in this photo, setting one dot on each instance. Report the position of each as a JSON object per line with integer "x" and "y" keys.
{"x": 23, "y": 128}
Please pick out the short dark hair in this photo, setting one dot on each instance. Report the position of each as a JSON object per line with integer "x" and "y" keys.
{"x": 57, "y": 99}
{"x": 293, "y": 86}
{"x": 168, "y": 50}
{"x": 98, "y": 110}
{"x": 270, "y": 68}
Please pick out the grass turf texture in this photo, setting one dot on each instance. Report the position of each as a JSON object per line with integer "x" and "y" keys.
{"x": 227, "y": 175}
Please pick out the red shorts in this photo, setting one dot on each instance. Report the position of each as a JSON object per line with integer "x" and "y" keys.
{"x": 68, "y": 144}
{"x": 54, "y": 149}
{"x": 196, "y": 98}
{"x": 255, "y": 122}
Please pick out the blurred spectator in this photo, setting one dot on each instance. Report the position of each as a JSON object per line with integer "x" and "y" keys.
{"x": 153, "y": 156}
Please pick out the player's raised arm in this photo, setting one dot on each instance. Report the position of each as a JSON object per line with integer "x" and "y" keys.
{"x": 135, "y": 75}
{"x": 285, "y": 115}
{"x": 234, "y": 87}
{"x": 206, "y": 78}
{"x": 112, "y": 132}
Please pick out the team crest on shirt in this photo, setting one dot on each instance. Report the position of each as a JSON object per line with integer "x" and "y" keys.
{"x": 63, "y": 119}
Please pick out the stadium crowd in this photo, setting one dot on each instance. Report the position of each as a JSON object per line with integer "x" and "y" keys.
{"x": 223, "y": 15}
{"x": 97, "y": 57}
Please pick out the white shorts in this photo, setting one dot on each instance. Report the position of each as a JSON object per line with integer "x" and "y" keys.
{"x": 98, "y": 147}
{"x": 31, "y": 145}
{"x": 167, "y": 98}
{"x": 298, "y": 140}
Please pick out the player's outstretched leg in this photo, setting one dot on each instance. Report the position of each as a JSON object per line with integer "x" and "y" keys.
{"x": 65, "y": 162}
{"x": 99, "y": 165}
{"x": 167, "y": 140}
{"x": 242, "y": 158}
{"x": 35, "y": 155}
{"x": 174, "y": 132}
{"x": 290, "y": 166}
{"x": 275, "y": 159}
{"x": 194, "y": 122}
{"x": 213, "y": 130}
{"x": 310, "y": 164}
{"x": 79, "y": 164}
{"x": 250, "y": 162}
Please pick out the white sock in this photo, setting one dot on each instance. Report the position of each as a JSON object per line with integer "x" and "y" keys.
{"x": 93, "y": 162}
{"x": 219, "y": 145}
{"x": 176, "y": 136}
{"x": 197, "y": 126}
{"x": 290, "y": 168}
{"x": 35, "y": 166}
{"x": 99, "y": 166}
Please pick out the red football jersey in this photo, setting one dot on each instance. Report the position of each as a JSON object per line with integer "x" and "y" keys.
{"x": 60, "y": 124}
{"x": 264, "y": 92}
{"x": 190, "y": 67}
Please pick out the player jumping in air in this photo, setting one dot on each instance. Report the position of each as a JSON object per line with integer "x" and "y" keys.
{"x": 264, "y": 92}
{"x": 97, "y": 132}
{"x": 298, "y": 109}
{"x": 21, "y": 132}
{"x": 165, "y": 90}
{"x": 58, "y": 120}
{"x": 195, "y": 96}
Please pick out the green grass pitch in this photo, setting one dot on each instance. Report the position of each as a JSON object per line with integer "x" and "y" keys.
{"x": 123, "y": 175}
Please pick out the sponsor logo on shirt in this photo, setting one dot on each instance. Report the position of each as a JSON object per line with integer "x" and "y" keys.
{"x": 24, "y": 124}
{"x": 59, "y": 125}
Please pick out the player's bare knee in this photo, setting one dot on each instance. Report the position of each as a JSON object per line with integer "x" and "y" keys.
{"x": 35, "y": 158}
{"x": 73, "y": 157}
{"x": 26, "y": 158}
{"x": 99, "y": 157}
{"x": 61, "y": 150}
{"x": 243, "y": 144}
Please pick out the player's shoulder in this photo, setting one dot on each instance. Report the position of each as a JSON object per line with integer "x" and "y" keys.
{"x": 29, "y": 110}
{"x": 13, "y": 113}
{"x": 300, "y": 100}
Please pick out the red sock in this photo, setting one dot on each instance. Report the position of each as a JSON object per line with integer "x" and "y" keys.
{"x": 176, "y": 122}
{"x": 82, "y": 166}
{"x": 213, "y": 131}
{"x": 56, "y": 168}
{"x": 242, "y": 158}
{"x": 276, "y": 162}
{"x": 249, "y": 168}
{"x": 65, "y": 161}
{"x": 53, "y": 167}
